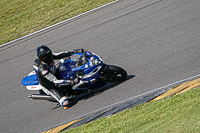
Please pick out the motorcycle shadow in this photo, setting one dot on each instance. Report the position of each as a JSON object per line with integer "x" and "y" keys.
{"x": 95, "y": 92}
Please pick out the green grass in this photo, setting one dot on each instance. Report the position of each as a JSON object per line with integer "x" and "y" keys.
{"x": 21, "y": 17}
{"x": 178, "y": 114}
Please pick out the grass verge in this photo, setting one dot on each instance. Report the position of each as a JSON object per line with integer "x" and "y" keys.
{"x": 22, "y": 17}
{"x": 177, "y": 114}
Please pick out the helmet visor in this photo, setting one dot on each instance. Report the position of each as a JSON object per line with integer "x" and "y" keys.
{"x": 47, "y": 58}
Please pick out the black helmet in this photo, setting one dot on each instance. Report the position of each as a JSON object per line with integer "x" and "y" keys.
{"x": 44, "y": 53}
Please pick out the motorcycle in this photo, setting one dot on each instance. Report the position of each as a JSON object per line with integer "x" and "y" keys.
{"x": 88, "y": 66}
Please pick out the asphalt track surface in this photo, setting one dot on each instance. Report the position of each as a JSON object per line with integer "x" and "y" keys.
{"x": 157, "y": 41}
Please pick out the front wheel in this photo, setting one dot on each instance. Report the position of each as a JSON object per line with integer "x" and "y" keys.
{"x": 114, "y": 74}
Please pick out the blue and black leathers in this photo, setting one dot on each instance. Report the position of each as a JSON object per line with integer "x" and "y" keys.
{"x": 47, "y": 77}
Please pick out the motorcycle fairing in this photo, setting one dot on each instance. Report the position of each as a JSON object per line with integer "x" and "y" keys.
{"x": 31, "y": 82}
{"x": 68, "y": 70}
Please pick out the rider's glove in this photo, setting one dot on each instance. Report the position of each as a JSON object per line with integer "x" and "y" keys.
{"x": 79, "y": 50}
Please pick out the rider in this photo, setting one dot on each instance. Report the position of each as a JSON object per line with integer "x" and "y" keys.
{"x": 47, "y": 71}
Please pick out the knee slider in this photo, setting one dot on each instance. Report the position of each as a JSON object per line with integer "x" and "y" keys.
{"x": 64, "y": 101}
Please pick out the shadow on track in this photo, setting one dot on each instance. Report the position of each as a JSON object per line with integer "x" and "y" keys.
{"x": 94, "y": 92}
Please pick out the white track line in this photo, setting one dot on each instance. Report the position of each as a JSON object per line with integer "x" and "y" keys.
{"x": 144, "y": 94}
{"x": 129, "y": 99}
{"x": 59, "y": 23}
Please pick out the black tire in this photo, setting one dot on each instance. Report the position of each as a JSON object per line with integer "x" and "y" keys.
{"x": 114, "y": 74}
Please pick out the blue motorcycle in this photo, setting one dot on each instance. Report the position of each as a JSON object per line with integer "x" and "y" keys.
{"x": 90, "y": 69}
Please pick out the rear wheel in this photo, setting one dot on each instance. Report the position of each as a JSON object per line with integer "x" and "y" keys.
{"x": 114, "y": 74}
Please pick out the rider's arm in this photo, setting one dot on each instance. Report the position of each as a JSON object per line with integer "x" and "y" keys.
{"x": 48, "y": 75}
{"x": 66, "y": 53}
{"x": 62, "y": 54}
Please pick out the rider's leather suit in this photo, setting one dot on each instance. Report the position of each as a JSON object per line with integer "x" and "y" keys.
{"x": 48, "y": 79}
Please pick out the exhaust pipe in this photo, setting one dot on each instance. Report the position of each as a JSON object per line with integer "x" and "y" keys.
{"x": 42, "y": 97}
